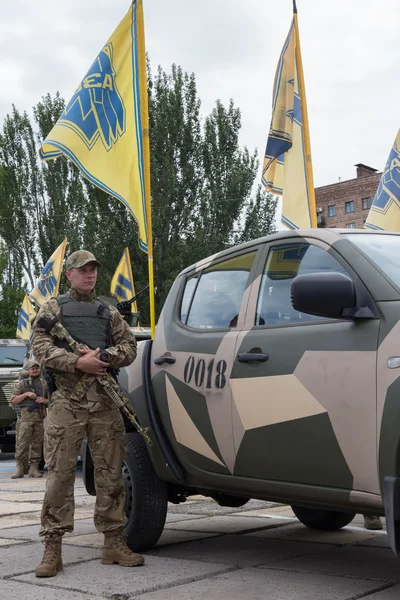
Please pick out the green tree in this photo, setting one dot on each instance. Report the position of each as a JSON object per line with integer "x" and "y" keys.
{"x": 40, "y": 202}
{"x": 61, "y": 203}
{"x": 229, "y": 174}
{"x": 11, "y": 292}
{"x": 259, "y": 219}
{"x": 176, "y": 170}
{"x": 17, "y": 190}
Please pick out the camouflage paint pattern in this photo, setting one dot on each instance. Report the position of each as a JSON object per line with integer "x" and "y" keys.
{"x": 317, "y": 423}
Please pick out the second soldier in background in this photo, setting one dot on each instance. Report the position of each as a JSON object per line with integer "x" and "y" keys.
{"x": 30, "y": 400}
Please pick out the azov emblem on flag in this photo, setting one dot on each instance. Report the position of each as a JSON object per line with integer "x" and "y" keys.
{"x": 47, "y": 282}
{"x": 96, "y": 110}
{"x": 389, "y": 186}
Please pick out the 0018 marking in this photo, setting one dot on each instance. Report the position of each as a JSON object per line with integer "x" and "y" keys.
{"x": 200, "y": 369}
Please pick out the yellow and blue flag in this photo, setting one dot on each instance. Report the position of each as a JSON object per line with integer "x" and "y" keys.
{"x": 122, "y": 285}
{"x": 384, "y": 214}
{"x": 287, "y": 169}
{"x": 104, "y": 127}
{"x": 49, "y": 281}
{"x": 25, "y": 318}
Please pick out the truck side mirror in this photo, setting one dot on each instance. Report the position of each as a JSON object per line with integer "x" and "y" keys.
{"x": 331, "y": 295}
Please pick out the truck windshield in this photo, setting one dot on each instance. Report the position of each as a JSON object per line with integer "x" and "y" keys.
{"x": 383, "y": 250}
{"x": 12, "y": 355}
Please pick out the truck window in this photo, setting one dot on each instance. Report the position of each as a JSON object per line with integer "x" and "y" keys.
{"x": 283, "y": 264}
{"x": 217, "y": 295}
{"x": 383, "y": 250}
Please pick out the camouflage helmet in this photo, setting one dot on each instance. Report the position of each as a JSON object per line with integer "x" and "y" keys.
{"x": 79, "y": 259}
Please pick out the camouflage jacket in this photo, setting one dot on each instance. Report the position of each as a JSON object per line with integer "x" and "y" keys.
{"x": 20, "y": 387}
{"x": 122, "y": 353}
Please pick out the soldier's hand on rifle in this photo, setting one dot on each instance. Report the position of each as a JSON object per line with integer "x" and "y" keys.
{"x": 30, "y": 395}
{"x": 91, "y": 363}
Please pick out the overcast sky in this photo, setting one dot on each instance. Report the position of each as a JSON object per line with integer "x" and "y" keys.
{"x": 350, "y": 52}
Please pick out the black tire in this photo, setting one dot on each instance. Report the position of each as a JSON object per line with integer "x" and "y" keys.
{"x": 7, "y": 443}
{"x": 146, "y": 496}
{"x": 7, "y": 448}
{"x": 326, "y": 520}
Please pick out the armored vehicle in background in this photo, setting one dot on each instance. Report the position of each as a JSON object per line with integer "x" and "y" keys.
{"x": 274, "y": 374}
{"x": 12, "y": 353}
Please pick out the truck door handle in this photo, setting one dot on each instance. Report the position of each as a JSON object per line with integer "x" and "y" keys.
{"x": 252, "y": 357}
{"x": 160, "y": 360}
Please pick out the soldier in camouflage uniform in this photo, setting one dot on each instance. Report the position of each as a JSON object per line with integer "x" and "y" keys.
{"x": 17, "y": 408}
{"x": 94, "y": 416}
{"x": 29, "y": 400}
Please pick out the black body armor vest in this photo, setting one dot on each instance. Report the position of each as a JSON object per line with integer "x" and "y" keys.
{"x": 87, "y": 322}
{"x": 33, "y": 385}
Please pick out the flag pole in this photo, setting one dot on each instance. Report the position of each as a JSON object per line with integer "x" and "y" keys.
{"x": 150, "y": 242}
{"x": 61, "y": 264}
{"x": 305, "y": 127}
{"x": 144, "y": 108}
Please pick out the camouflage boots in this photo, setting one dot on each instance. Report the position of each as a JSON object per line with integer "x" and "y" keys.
{"x": 51, "y": 561}
{"x": 34, "y": 471}
{"x": 20, "y": 471}
{"x": 115, "y": 551}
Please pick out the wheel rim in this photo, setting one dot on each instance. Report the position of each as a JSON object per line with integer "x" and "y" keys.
{"x": 128, "y": 483}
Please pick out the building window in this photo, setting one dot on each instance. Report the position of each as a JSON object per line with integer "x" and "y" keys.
{"x": 332, "y": 210}
{"x": 351, "y": 225}
{"x": 349, "y": 207}
{"x": 366, "y": 203}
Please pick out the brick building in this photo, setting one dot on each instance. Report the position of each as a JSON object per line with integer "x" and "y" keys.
{"x": 347, "y": 203}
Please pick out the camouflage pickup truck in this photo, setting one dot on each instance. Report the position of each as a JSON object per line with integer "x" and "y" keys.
{"x": 274, "y": 374}
{"x": 12, "y": 353}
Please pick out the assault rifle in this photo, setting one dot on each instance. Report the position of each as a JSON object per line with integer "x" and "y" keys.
{"x": 52, "y": 325}
{"x": 125, "y": 307}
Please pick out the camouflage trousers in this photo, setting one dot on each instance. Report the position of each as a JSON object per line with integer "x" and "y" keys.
{"x": 29, "y": 437}
{"x": 65, "y": 429}
{"x": 18, "y": 423}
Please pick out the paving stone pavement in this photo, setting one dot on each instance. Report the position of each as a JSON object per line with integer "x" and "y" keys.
{"x": 258, "y": 551}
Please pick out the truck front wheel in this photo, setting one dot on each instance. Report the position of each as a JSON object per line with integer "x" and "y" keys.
{"x": 328, "y": 520}
{"x": 146, "y": 496}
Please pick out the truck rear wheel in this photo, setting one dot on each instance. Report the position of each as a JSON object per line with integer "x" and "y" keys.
{"x": 146, "y": 496}
{"x": 328, "y": 520}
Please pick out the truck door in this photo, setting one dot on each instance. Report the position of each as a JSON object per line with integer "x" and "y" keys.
{"x": 192, "y": 358}
{"x": 304, "y": 387}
